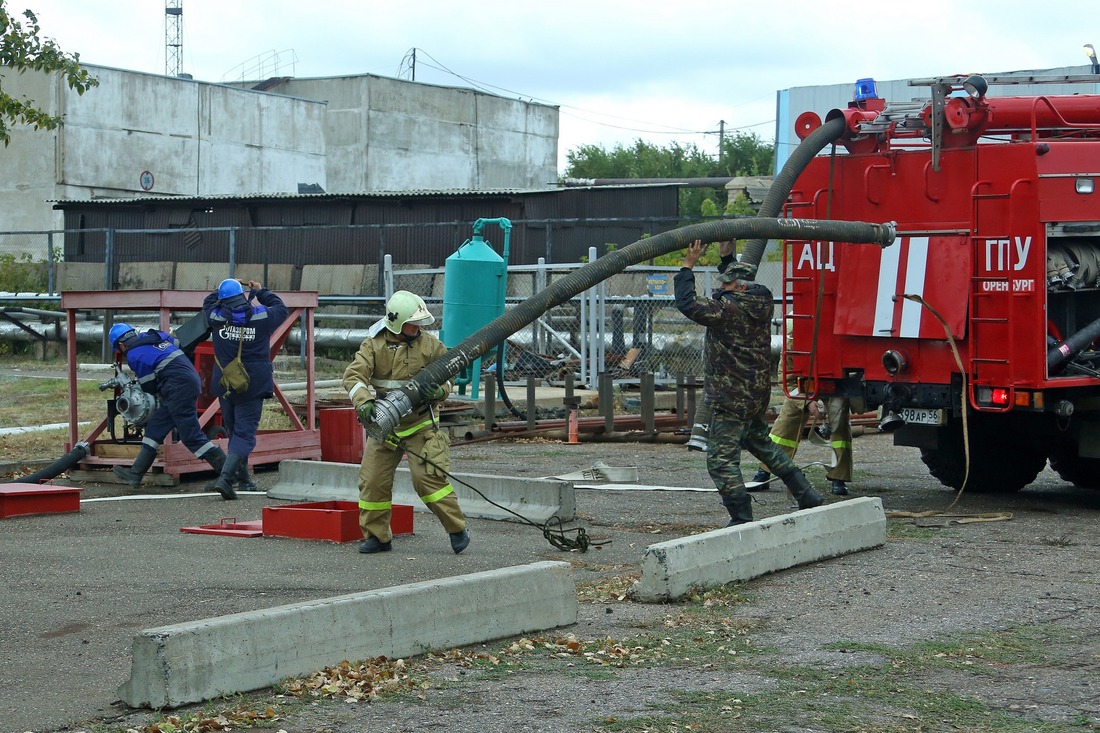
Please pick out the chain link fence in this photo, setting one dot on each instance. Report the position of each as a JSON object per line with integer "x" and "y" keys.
{"x": 624, "y": 327}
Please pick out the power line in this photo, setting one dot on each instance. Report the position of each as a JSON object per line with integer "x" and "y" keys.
{"x": 486, "y": 87}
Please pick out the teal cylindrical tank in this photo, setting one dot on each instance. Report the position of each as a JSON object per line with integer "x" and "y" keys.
{"x": 473, "y": 279}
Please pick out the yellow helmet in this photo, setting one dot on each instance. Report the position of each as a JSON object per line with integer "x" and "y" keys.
{"x": 405, "y": 307}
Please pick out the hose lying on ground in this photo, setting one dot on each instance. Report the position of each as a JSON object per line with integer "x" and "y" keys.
{"x": 397, "y": 403}
{"x": 58, "y": 467}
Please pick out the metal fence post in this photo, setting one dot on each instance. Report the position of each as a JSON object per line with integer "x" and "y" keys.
{"x": 607, "y": 402}
{"x": 490, "y": 401}
{"x": 532, "y": 408}
{"x": 387, "y": 276}
{"x": 233, "y": 252}
{"x": 49, "y": 263}
{"x": 648, "y": 400}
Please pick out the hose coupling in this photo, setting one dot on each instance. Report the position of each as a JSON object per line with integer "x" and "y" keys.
{"x": 387, "y": 414}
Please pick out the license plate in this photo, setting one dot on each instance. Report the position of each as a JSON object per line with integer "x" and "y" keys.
{"x": 922, "y": 415}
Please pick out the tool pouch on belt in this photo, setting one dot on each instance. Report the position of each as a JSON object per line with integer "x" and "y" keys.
{"x": 235, "y": 377}
{"x": 437, "y": 456}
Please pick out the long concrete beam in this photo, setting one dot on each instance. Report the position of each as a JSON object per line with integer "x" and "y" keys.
{"x": 671, "y": 569}
{"x": 201, "y": 660}
{"x": 534, "y": 498}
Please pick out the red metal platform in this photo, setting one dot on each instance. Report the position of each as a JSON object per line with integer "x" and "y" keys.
{"x": 17, "y": 499}
{"x": 336, "y": 521}
{"x": 302, "y": 441}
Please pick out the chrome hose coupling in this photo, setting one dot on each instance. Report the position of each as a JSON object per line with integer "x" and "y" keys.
{"x": 387, "y": 414}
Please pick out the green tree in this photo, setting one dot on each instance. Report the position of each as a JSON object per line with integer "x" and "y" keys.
{"x": 21, "y": 50}
{"x": 741, "y": 155}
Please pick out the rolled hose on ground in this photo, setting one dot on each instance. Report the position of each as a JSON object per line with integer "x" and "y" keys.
{"x": 58, "y": 467}
{"x": 397, "y": 403}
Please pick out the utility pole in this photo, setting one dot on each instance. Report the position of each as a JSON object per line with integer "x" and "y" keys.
{"x": 721, "y": 141}
{"x": 173, "y": 37}
{"x": 408, "y": 63}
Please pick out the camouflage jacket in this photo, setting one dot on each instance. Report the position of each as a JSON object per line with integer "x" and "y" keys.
{"x": 737, "y": 347}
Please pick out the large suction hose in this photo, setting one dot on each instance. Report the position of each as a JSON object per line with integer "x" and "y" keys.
{"x": 1061, "y": 352}
{"x": 397, "y": 403}
{"x": 58, "y": 467}
{"x": 772, "y": 206}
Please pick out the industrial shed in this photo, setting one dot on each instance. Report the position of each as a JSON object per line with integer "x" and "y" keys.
{"x": 420, "y": 228}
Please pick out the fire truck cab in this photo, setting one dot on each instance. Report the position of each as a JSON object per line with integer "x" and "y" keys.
{"x": 983, "y": 313}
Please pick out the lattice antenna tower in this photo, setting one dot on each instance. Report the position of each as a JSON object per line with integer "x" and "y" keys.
{"x": 173, "y": 37}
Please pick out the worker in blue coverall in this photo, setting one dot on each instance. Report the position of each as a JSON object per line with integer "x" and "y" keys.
{"x": 162, "y": 369}
{"x": 239, "y": 325}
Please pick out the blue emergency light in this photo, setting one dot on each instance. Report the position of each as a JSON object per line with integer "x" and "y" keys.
{"x": 865, "y": 89}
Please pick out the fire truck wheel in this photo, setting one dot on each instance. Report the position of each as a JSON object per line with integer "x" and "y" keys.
{"x": 998, "y": 465}
{"x": 1083, "y": 472}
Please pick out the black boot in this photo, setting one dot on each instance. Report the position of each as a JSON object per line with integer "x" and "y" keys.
{"x": 215, "y": 456}
{"x": 133, "y": 474}
{"x": 224, "y": 483}
{"x": 801, "y": 490}
{"x": 739, "y": 507}
{"x": 244, "y": 481}
{"x": 760, "y": 480}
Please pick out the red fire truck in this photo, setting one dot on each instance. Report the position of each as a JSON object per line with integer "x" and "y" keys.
{"x": 973, "y": 334}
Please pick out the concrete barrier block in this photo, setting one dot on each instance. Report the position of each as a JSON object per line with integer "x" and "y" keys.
{"x": 200, "y": 275}
{"x": 146, "y": 275}
{"x": 536, "y": 499}
{"x": 201, "y": 660}
{"x": 671, "y": 569}
{"x": 273, "y": 276}
{"x": 73, "y": 276}
{"x": 335, "y": 279}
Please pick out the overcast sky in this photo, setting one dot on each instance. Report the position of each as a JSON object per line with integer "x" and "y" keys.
{"x": 619, "y": 71}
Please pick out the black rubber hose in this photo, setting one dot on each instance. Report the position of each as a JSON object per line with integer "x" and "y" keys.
{"x": 781, "y": 186}
{"x": 58, "y": 467}
{"x": 397, "y": 403}
{"x": 1065, "y": 351}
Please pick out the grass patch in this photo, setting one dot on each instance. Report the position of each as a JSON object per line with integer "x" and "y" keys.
{"x": 904, "y": 529}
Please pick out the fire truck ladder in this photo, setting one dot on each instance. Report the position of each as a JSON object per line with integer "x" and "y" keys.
{"x": 990, "y": 336}
{"x": 803, "y": 322}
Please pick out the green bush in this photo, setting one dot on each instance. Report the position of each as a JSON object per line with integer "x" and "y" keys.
{"x": 22, "y": 274}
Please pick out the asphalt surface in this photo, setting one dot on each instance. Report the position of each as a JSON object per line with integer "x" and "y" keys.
{"x": 78, "y": 586}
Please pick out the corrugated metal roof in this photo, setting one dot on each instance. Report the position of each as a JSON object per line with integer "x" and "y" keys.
{"x": 416, "y": 193}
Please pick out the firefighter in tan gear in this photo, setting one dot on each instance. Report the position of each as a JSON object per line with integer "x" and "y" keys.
{"x": 394, "y": 351}
{"x": 786, "y": 431}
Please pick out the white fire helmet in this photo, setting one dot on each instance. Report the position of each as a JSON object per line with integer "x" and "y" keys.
{"x": 405, "y": 307}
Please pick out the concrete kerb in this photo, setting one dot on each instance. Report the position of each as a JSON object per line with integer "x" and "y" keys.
{"x": 536, "y": 499}
{"x": 201, "y": 660}
{"x": 671, "y": 569}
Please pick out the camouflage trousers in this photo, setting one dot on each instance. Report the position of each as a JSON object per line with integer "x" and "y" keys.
{"x": 730, "y": 433}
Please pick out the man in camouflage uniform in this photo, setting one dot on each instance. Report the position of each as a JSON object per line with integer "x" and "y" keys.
{"x": 737, "y": 381}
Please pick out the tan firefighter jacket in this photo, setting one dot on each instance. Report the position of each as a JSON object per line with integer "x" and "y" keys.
{"x": 385, "y": 362}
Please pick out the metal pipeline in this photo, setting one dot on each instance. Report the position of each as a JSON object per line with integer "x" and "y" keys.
{"x": 58, "y": 467}
{"x": 398, "y": 403}
{"x": 780, "y": 190}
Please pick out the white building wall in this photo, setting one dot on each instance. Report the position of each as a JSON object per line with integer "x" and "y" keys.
{"x": 194, "y": 138}
{"x": 347, "y": 134}
{"x": 389, "y": 134}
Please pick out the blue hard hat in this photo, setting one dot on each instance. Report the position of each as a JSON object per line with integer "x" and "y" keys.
{"x": 118, "y": 331}
{"x": 230, "y": 287}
